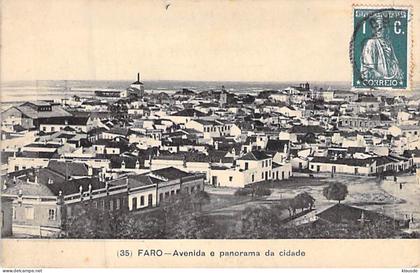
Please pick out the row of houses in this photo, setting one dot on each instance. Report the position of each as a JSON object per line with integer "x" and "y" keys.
{"x": 43, "y": 200}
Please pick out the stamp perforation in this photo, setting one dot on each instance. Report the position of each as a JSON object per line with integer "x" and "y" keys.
{"x": 410, "y": 66}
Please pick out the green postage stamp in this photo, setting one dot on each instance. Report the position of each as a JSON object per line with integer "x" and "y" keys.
{"x": 381, "y": 48}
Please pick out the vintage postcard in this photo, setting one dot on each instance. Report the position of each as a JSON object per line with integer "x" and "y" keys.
{"x": 198, "y": 133}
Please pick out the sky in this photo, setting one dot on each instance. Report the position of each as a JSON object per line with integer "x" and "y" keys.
{"x": 191, "y": 40}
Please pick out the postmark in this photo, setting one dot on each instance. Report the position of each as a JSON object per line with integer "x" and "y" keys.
{"x": 381, "y": 48}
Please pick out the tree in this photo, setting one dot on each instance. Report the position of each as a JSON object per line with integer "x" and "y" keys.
{"x": 199, "y": 199}
{"x": 335, "y": 191}
{"x": 194, "y": 226}
{"x": 259, "y": 223}
{"x": 260, "y": 191}
{"x": 242, "y": 192}
{"x": 182, "y": 219}
{"x": 92, "y": 223}
{"x": 301, "y": 201}
{"x": 307, "y": 200}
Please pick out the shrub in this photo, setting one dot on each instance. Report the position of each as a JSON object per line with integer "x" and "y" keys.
{"x": 259, "y": 191}
{"x": 243, "y": 192}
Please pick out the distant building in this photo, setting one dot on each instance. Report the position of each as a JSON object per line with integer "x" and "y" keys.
{"x": 44, "y": 202}
{"x": 32, "y": 114}
{"x": 253, "y": 167}
{"x": 137, "y": 87}
{"x": 223, "y": 97}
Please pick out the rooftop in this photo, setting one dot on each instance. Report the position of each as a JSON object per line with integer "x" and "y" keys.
{"x": 255, "y": 155}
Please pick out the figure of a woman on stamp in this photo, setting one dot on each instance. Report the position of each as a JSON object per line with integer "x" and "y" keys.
{"x": 378, "y": 60}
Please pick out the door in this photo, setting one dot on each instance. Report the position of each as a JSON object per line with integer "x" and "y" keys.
{"x": 134, "y": 203}
{"x": 150, "y": 200}
{"x": 214, "y": 180}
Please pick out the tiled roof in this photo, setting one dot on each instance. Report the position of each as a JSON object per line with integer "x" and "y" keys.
{"x": 29, "y": 189}
{"x": 307, "y": 129}
{"x": 276, "y": 145}
{"x": 255, "y": 155}
{"x": 71, "y": 168}
{"x": 170, "y": 173}
{"x": 341, "y": 213}
{"x": 73, "y": 186}
{"x": 56, "y": 111}
{"x": 189, "y": 113}
{"x": 344, "y": 161}
{"x": 135, "y": 181}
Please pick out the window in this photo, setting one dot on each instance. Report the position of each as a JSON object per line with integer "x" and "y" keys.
{"x": 103, "y": 204}
{"x": 134, "y": 203}
{"x": 68, "y": 211}
{"x": 29, "y": 213}
{"x": 246, "y": 165}
{"x": 14, "y": 213}
{"x": 160, "y": 197}
{"x": 118, "y": 204}
{"x": 150, "y": 200}
{"x": 51, "y": 214}
{"x": 95, "y": 204}
{"x": 253, "y": 178}
{"x": 177, "y": 191}
{"x": 166, "y": 194}
{"x": 230, "y": 178}
{"x": 172, "y": 192}
{"x": 142, "y": 200}
{"x": 111, "y": 205}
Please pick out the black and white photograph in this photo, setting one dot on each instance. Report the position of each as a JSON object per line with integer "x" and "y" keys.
{"x": 172, "y": 119}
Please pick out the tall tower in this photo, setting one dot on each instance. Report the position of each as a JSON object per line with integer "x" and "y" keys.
{"x": 138, "y": 86}
{"x": 223, "y": 97}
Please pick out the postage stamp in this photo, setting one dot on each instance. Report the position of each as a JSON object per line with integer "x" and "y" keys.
{"x": 381, "y": 48}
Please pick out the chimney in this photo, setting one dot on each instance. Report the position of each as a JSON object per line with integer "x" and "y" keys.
{"x": 81, "y": 192}
{"x": 90, "y": 191}
{"x": 60, "y": 199}
{"x": 138, "y": 77}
